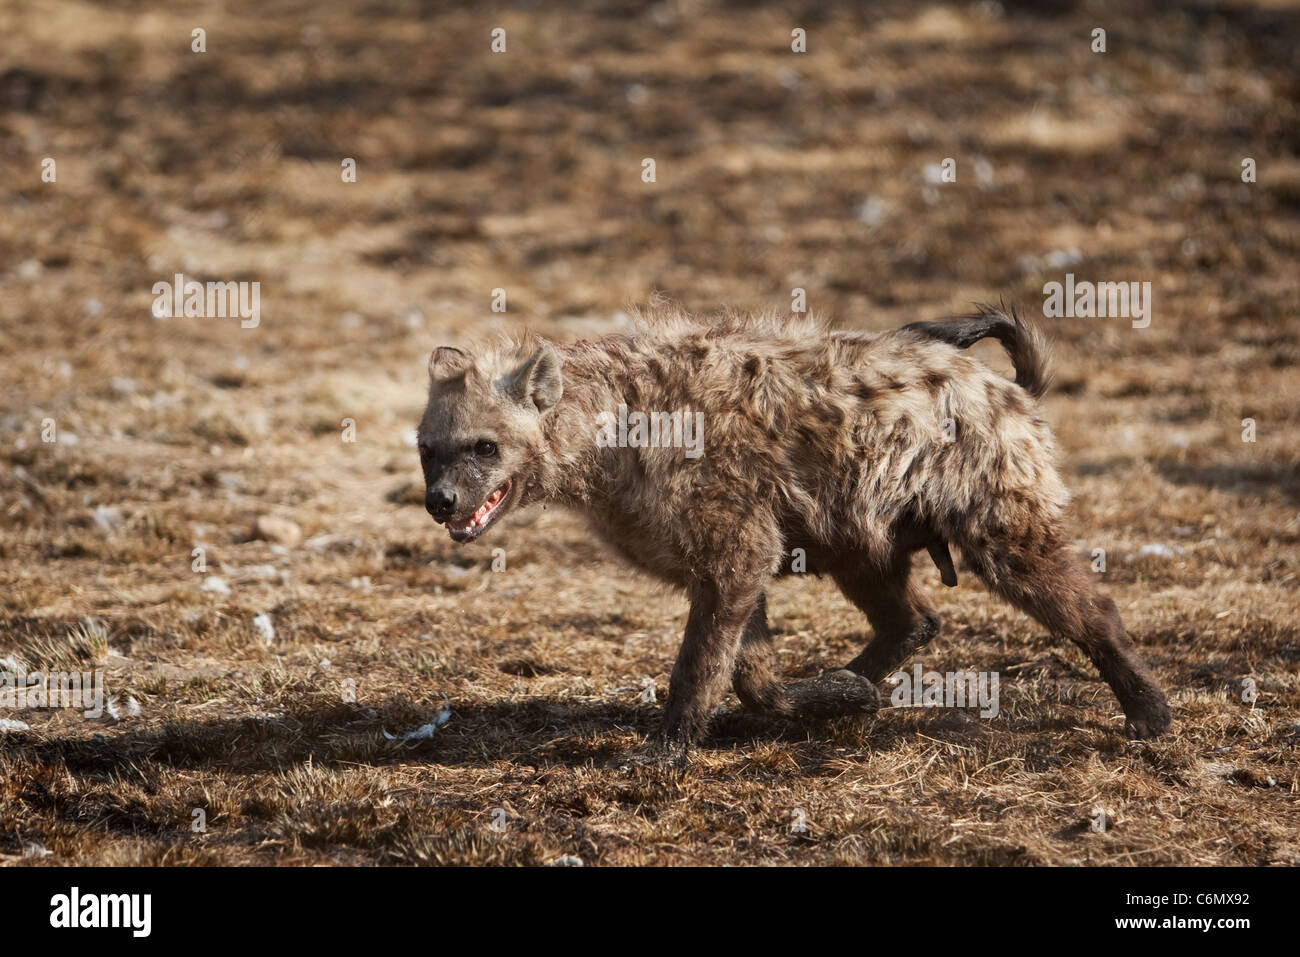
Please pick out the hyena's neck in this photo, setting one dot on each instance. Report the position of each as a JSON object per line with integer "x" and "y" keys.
{"x": 596, "y": 377}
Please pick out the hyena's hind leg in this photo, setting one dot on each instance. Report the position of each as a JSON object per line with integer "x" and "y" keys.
{"x": 900, "y": 616}
{"x": 831, "y": 694}
{"x": 1040, "y": 573}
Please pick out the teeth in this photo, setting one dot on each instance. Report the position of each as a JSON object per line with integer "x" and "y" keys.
{"x": 478, "y": 521}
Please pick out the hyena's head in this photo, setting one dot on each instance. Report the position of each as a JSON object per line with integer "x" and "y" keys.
{"x": 481, "y": 440}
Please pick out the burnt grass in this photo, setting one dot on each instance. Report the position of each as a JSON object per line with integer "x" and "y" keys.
{"x": 522, "y": 171}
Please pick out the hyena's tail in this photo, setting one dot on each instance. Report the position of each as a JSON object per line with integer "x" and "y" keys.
{"x": 1023, "y": 341}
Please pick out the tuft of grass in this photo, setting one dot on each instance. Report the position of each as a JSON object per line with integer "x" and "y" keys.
{"x": 58, "y": 646}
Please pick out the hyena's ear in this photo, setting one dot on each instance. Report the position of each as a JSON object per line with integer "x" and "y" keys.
{"x": 538, "y": 381}
{"x": 447, "y": 363}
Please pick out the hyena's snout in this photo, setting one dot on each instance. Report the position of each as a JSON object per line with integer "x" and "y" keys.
{"x": 462, "y": 512}
{"x": 440, "y": 502}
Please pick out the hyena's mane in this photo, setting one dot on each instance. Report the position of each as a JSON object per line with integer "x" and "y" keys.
{"x": 501, "y": 353}
{"x": 662, "y": 319}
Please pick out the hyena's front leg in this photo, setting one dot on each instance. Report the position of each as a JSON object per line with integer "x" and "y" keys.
{"x": 717, "y": 618}
{"x": 730, "y": 554}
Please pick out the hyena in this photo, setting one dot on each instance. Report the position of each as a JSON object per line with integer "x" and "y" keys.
{"x": 857, "y": 449}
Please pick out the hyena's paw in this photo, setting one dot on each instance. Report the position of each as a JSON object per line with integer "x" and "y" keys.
{"x": 655, "y": 753}
{"x": 1149, "y": 721}
{"x": 832, "y": 694}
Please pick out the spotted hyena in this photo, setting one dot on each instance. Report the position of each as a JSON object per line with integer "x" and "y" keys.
{"x": 852, "y": 450}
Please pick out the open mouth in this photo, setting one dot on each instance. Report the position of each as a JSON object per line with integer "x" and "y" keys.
{"x": 468, "y": 529}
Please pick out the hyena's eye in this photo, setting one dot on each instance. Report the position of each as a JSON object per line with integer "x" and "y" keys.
{"x": 485, "y": 449}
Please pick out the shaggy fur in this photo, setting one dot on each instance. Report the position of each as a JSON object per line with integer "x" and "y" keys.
{"x": 858, "y": 449}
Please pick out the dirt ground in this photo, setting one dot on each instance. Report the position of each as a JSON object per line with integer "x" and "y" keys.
{"x": 522, "y": 171}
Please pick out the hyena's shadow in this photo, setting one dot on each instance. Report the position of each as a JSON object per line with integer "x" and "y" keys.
{"x": 528, "y": 732}
{"x": 553, "y": 731}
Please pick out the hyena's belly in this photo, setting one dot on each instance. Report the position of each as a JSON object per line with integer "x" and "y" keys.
{"x": 648, "y": 548}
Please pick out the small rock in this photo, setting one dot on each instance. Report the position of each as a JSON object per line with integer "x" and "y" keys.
{"x": 271, "y": 529}
{"x": 215, "y": 585}
{"x": 1160, "y": 550}
{"x": 263, "y": 627}
{"x": 1029, "y": 264}
{"x": 873, "y": 211}
{"x": 427, "y": 731}
{"x": 1063, "y": 258}
{"x": 333, "y": 543}
{"x": 117, "y": 710}
{"x": 107, "y": 519}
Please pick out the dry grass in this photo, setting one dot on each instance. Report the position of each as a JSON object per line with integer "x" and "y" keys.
{"x": 523, "y": 171}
